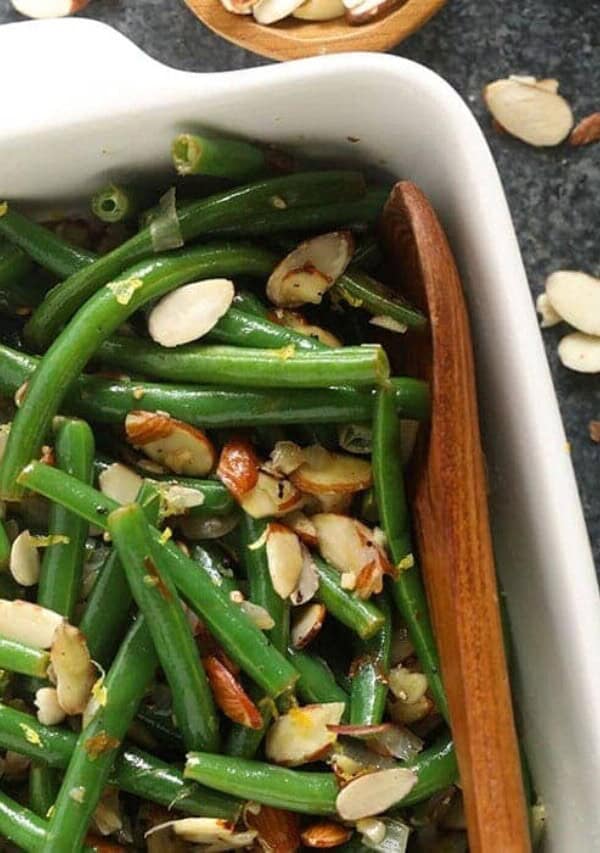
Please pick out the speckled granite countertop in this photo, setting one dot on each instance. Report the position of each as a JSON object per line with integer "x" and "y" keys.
{"x": 554, "y": 194}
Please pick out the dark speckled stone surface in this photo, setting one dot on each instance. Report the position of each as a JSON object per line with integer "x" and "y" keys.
{"x": 554, "y": 194}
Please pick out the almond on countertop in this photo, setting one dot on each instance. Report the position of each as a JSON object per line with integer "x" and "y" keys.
{"x": 586, "y": 131}
{"x": 575, "y": 296}
{"x": 544, "y": 308}
{"x": 190, "y": 312}
{"x": 580, "y": 352}
{"x": 594, "y": 430}
{"x": 531, "y": 110}
{"x": 48, "y": 8}
{"x": 180, "y": 447}
{"x": 311, "y": 269}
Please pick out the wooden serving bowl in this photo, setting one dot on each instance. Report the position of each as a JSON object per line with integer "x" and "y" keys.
{"x": 294, "y": 39}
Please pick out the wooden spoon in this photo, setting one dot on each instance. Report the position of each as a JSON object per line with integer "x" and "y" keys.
{"x": 294, "y": 39}
{"x": 453, "y": 534}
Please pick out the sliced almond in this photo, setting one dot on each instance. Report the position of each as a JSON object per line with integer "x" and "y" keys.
{"x": 301, "y": 735}
{"x": 73, "y": 668}
{"x": 230, "y": 696}
{"x": 586, "y": 131}
{"x": 271, "y": 11}
{"x": 284, "y": 558}
{"x": 308, "y": 582}
{"x": 261, "y": 617}
{"x": 107, "y": 817}
{"x": 239, "y": 7}
{"x": 285, "y": 458}
{"x": 544, "y": 308}
{"x": 182, "y": 448}
{"x": 352, "y": 549}
{"x": 337, "y": 502}
{"x": 575, "y": 296}
{"x": 271, "y": 497}
{"x": 294, "y": 320}
{"x": 307, "y": 623}
{"x": 278, "y": 830}
{"x": 367, "y": 10}
{"x": 580, "y": 352}
{"x": 407, "y": 686}
{"x": 48, "y": 8}
{"x": 24, "y": 562}
{"x": 28, "y": 623}
{"x": 238, "y": 467}
{"x": 49, "y": 712}
{"x": 326, "y": 834}
{"x": 312, "y": 268}
{"x": 325, "y": 472}
{"x": 531, "y": 112}
{"x": 200, "y": 830}
{"x": 120, "y": 483}
{"x": 320, "y": 10}
{"x": 374, "y": 793}
{"x": 302, "y": 526}
{"x": 176, "y": 499}
{"x": 190, "y": 312}
{"x": 406, "y": 714}
{"x": 383, "y": 321}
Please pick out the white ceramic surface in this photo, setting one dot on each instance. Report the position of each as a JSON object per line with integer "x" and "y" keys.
{"x": 84, "y": 104}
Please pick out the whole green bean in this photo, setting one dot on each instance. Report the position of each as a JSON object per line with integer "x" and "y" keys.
{"x": 238, "y": 208}
{"x": 43, "y": 787}
{"x": 296, "y": 790}
{"x": 96, "y": 749}
{"x": 252, "y": 368}
{"x": 362, "y": 291}
{"x": 407, "y": 589}
{"x": 316, "y": 683}
{"x": 43, "y": 246}
{"x": 4, "y": 546}
{"x": 62, "y": 566}
{"x": 20, "y": 825}
{"x": 96, "y": 320}
{"x": 17, "y": 657}
{"x": 240, "y": 328}
{"x": 116, "y": 203}
{"x": 361, "y": 616}
{"x": 370, "y": 670}
{"x": 157, "y": 599}
{"x": 222, "y": 158}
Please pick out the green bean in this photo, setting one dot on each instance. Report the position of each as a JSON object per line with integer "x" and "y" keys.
{"x": 361, "y": 616}
{"x": 161, "y": 727}
{"x": 238, "y": 207}
{"x": 95, "y": 751}
{"x": 362, "y": 291}
{"x": 240, "y": 328}
{"x": 370, "y": 670}
{"x": 15, "y": 264}
{"x": 436, "y": 769}
{"x": 316, "y": 683}
{"x": 156, "y": 597}
{"x": 101, "y": 316}
{"x": 252, "y": 368}
{"x": 207, "y": 557}
{"x": 17, "y": 657}
{"x": 21, "y": 826}
{"x": 43, "y": 787}
{"x": 220, "y": 158}
{"x": 43, "y": 246}
{"x": 242, "y": 741}
{"x": 116, "y": 203}
{"x": 62, "y": 566}
{"x": 367, "y": 255}
{"x": 408, "y": 591}
{"x": 296, "y": 790}
{"x": 4, "y": 546}
{"x": 245, "y": 300}
{"x": 9, "y": 588}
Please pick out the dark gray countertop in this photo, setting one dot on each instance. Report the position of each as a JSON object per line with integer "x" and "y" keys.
{"x": 554, "y": 194}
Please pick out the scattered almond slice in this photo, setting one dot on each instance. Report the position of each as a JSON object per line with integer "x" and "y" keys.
{"x": 182, "y": 448}
{"x": 49, "y": 712}
{"x": 73, "y": 668}
{"x": 586, "y": 131}
{"x": 176, "y": 499}
{"x": 120, "y": 483}
{"x": 294, "y": 320}
{"x": 190, "y": 312}
{"x": 308, "y": 582}
{"x": 580, "y": 352}
{"x": 261, "y": 617}
{"x": 594, "y": 430}
{"x": 303, "y": 527}
{"x": 310, "y": 269}
{"x": 406, "y": 714}
{"x": 366, "y": 11}
{"x": 374, "y": 793}
{"x": 230, "y": 696}
{"x": 575, "y": 296}
{"x": 239, "y": 7}
{"x": 407, "y": 686}
{"x": 238, "y": 467}
{"x": 544, "y": 308}
{"x": 337, "y": 502}
{"x": 28, "y": 623}
{"x": 24, "y": 562}
{"x": 271, "y": 497}
{"x": 278, "y": 830}
{"x": 285, "y": 458}
{"x": 383, "y": 321}
{"x": 326, "y": 834}
{"x": 532, "y": 112}
{"x": 307, "y": 622}
{"x": 48, "y": 8}
{"x": 284, "y": 558}
{"x": 325, "y": 472}
{"x": 271, "y": 11}
{"x": 320, "y": 10}
{"x": 301, "y": 735}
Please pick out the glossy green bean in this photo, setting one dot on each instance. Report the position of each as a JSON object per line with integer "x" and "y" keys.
{"x": 436, "y": 769}
{"x": 363, "y": 291}
{"x": 99, "y": 318}
{"x": 62, "y": 565}
{"x": 408, "y": 591}
{"x": 296, "y": 790}
{"x": 249, "y": 303}
{"x": 316, "y": 683}
{"x": 361, "y": 616}
{"x": 43, "y": 787}
{"x": 161, "y": 728}
{"x": 20, "y": 825}
{"x": 117, "y": 203}
{"x": 369, "y": 672}
{"x": 15, "y": 264}
{"x": 240, "y": 328}
{"x": 221, "y": 158}
{"x": 26, "y": 660}
{"x": 238, "y": 208}
{"x": 244, "y": 742}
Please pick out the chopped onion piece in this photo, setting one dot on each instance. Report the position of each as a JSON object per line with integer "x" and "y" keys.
{"x": 165, "y": 232}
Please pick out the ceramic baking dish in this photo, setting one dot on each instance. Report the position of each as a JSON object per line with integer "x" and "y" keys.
{"x": 84, "y": 104}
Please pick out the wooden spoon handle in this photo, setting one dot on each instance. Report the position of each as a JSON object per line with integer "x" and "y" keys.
{"x": 453, "y": 535}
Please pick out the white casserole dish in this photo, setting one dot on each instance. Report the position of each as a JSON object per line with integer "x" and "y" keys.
{"x": 85, "y": 104}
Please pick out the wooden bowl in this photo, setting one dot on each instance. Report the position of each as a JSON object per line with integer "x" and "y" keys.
{"x": 294, "y": 39}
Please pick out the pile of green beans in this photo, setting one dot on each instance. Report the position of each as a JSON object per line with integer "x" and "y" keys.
{"x": 197, "y": 653}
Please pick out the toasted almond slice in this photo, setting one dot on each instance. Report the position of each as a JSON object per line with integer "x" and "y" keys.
{"x": 575, "y": 296}
{"x": 340, "y": 542}
{"x": 586, "y": 131}
{"x": 278, "y": 830}
{"x": 327, "y": 472}
{"x": 367, "y": 10}
{"x": 374, "y": 793}
{"x": 580, "y": 352}
{"x": 530, "y": 112}
{"x": 407, "y": 686}
{"x": 49, "y": 712}
{"x": 48, "y": 8}
{"x": 405, "y": 714}
{"x": 310, "y": 269}
{"x": 261, "y": 617}
{"x": 28, "y": 623}
{"x": 326, "y": 834}
{"x": 238, "y": 467}
{"x": 230, "y": 696}
{"x": 120, "y": 483}
{"x": 320, "y": 10}
{"x": 307, "y": 622}
{"x": 294, "y": 320}
{"x": 284, "y": 557}
{"x": 302, "y": 526}
{"x": 75, "y": 673}
{"x": 191, "y": 311}
{"x": 336, "y": 502}
{"x": 107, "y": 814}
{"x": 24, "y": 562}
{"x": 308, "y": 583}
{"x": 544, "y": 308}
{"x": 198, "y": 830}
{"x": 271, "y": 497}
{"x": 285, "y": 458}
{"x": 363, "y": 732}
{"x": 176, "y": 499}
{"x": 182, "y": 448}
{"x": 383, "y": 321}
{"x": 271, "y": 11}
{"x": 301, "y": 735}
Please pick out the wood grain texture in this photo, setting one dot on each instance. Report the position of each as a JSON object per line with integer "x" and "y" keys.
{"x": 453, "y": 534}
{"x": 294, "y": 39}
